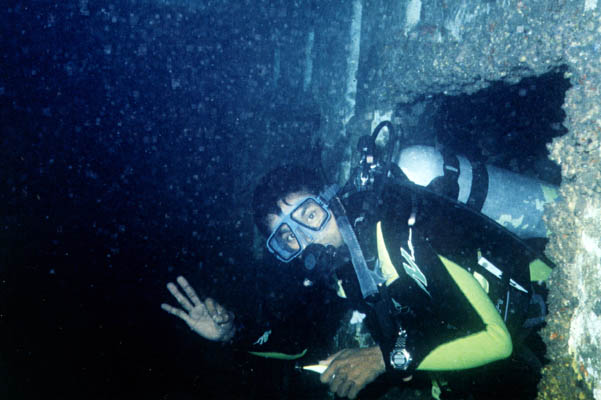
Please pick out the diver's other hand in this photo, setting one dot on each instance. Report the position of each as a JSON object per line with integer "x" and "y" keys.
{"x": 350, "y": 370}
{"x": 207, "y": 318}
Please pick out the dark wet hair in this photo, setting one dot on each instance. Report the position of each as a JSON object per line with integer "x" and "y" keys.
{"x": 276, "y": 185}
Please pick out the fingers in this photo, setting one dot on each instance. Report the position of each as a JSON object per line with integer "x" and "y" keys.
{"x": 179, "y": 297}
{"x": 189, "y": 290}
{"x": 177, "y": 312}
{"x": 350, "y": 370}
{"x": 329, "y": 360}
{"x": 217, "y": 312}
{"x": 229, "y": 333}
{"x": 342, "y": 383}
{"x": 211, "y": 306}
{"x": 195, "y": 310}
{"x": 354, "y": 391}
{"x": 334, "y": 362}
{"x": 337, "y": 380}
{"x": 328, "y": 374}
{"x": 225, "y": 318}
{"x": 345, "y": 388}
{"x": 170, "y": 309}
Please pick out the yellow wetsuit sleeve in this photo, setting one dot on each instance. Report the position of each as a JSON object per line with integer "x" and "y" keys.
{"x": 491, "y": 344}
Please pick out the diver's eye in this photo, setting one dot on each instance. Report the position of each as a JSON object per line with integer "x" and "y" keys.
{"x": 309, "y": 214}
{"x": 288, "y": 237}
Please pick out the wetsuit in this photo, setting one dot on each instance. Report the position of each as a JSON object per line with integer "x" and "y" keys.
{"x": 428, "y": 253}
{"x": 437, "y": 287}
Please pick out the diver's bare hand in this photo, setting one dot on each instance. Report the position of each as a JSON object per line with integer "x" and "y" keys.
{"x": 350, "y": 370}
{"x": 207, "y": 318}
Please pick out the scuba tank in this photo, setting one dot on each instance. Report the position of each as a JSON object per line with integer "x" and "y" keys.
{"x": 514, "y": 201}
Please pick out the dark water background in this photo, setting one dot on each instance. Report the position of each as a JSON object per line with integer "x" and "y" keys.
{"x": 121, "y": 141}
{"x": 131, "y": 137}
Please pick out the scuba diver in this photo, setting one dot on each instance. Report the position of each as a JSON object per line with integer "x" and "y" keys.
{"x": 442, "y": 285}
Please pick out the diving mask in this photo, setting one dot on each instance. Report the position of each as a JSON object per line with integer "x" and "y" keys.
{"x": 299, "y": 228}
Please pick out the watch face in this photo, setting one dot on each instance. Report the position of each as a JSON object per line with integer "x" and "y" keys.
{"x": 399, "y": 359}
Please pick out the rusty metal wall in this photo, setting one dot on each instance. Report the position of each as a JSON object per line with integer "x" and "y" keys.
{"x": 412, "y": 50}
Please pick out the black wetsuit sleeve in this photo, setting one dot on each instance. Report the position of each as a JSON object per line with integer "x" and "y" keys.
{"x": 428, "y": 303}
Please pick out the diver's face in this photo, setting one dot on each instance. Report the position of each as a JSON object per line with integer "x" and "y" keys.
{"x": 329, "y": 235}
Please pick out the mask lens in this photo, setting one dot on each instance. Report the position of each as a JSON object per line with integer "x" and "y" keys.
{"x": 310, "y": 214}
{"x": 284, "y": 243}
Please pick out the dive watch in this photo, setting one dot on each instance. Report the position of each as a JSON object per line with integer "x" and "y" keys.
{"x": 400, "y": 358}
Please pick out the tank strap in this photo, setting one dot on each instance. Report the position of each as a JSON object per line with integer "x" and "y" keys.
{"x": 451, "y": 173}
{"x": 447, "y": 184}
{"x": 479, "y": 186}
{"x": 451, "y": 166}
